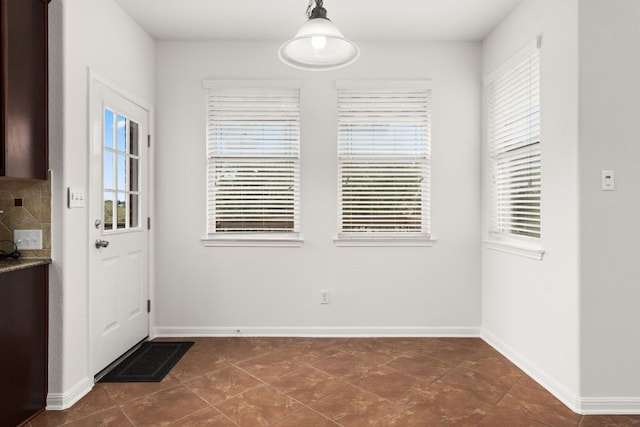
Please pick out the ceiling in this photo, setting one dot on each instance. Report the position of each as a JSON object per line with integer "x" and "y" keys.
{"x": 455, "y": 20}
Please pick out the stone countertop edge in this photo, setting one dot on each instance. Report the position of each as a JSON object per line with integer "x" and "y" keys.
{"x": 7, "y": 265}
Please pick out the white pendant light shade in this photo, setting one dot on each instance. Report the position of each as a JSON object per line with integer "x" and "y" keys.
{"x": 319, "y": 45}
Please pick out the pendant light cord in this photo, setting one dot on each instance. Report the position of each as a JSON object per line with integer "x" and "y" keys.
{"x": 316, "y": 12}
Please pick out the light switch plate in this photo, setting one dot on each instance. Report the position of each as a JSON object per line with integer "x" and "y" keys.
{"x": 76, "y": 198}
{"x": 28, "y": 239}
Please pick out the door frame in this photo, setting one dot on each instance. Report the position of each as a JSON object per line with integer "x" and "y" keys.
{"x": 95, "y": 142}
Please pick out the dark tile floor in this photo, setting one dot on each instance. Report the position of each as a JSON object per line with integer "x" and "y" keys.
{"x": 307, "y": 382}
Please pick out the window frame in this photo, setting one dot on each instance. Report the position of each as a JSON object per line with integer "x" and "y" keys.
{"x": 423, "y": 238}
{"x": 131, "y": 175}
{"x": 250, "y": 238}
{"x": 497, "y": 238}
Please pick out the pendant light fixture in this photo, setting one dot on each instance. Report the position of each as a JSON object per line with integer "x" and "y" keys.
{"x": 319, "y": 45}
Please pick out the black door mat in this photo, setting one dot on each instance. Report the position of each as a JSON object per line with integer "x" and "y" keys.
{"x": 150, "y": 363}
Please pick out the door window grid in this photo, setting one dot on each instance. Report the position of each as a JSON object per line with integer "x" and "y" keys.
{"x": 121, "y": 173}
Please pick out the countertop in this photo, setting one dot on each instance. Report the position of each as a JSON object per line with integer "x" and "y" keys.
{"x": 7, "y": 265}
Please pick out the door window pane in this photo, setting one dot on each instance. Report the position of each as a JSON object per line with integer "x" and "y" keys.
{"x": 122, "y": 209}
{"x": 108, "y": 211}
{"x": 134, "y": 211}
{"x": 122, "y": 171}
{"x": 109, "y": 183}
{"x": 133, "y": 138}
{"x": 108, "y": 128}
{"x": 122, "y": 133}
{"x": 133, "y": 174}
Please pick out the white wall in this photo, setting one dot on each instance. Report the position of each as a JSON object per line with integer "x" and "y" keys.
{"x": 572, "y": 325}
{"x": 83, "y": 34}
{"x": 530, "y": 308}
{"x": 610, "y": 221}
{"x": 277, "y": 290}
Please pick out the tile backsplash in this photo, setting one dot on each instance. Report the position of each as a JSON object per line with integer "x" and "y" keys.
{"x": 26, "y": 205}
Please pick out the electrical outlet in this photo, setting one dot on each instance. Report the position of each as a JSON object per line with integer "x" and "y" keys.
{"x": 324, "y": 297}
{"x": 608, "y": 181}
{"x": 28, "y": 240}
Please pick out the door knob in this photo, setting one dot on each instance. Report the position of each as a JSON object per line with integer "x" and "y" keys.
{"x": 101, "y": 243}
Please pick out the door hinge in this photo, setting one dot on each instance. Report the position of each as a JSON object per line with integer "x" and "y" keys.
{"x": 149, "y": 141}
{"x": 148, "y": 223}
{"x": 148, "y": 306}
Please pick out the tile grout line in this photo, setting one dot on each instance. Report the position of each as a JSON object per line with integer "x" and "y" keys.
{"x": 235, "y": 365}
{"x": 213, "y": 405}
{"x": 303, "y": 405}
{"x": 210, "y": 405}
{"x": 487, "y": 359}
{"x": 122, "y": 411}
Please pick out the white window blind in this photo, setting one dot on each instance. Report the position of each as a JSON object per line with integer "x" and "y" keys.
{"x": 514, "y": 146}
{"x": 253, "y": 170}
{"x": 384, "y": 161}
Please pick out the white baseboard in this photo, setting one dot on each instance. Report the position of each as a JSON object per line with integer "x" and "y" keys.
{"x": 585, "y": 406}
{"x": 580, "y": 405}
{"x": 61, "y": 401}
{"x": 559, "y": 391}
{"x": 355, "y": 331}
{"x": 609, "y": 405}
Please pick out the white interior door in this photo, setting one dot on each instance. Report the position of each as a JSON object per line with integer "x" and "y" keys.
{"x": 119, "y": 260}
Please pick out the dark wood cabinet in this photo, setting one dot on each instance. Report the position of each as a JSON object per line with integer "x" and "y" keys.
{"x": 23, "y": 343}
{"x": 23, "y": 89}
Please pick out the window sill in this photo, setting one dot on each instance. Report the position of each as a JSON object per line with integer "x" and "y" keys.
{"x": 252, "y": 241}
{"x": 535, "y": 252}
{"x": 383, "y": 242}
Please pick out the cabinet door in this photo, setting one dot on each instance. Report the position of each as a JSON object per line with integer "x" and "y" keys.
{"x": 23, "y": 344}
{"x": 23, "y": 30}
